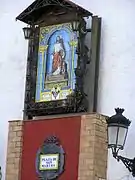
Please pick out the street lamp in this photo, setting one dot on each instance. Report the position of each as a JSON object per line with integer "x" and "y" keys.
{"x": 117, "y": 133}
{"x": 117, "y": 130}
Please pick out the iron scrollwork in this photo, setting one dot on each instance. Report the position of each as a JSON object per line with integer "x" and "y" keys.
{"x": 129, "y": 163}
{"x": 79, "y": 97}
{"x": 76, "y": 102}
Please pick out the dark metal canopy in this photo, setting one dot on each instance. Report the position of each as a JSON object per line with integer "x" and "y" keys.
{"x": 118, "y": 118}
{"x": 50, "y": 7}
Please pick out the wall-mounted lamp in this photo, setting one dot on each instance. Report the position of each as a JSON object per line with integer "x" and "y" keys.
{"x": 27, "y": 32}
{"x": 117, "y": 133}
{"x": 80, "y": 26}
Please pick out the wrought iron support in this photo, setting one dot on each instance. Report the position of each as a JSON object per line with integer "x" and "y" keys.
{"x": 80, "y": 71}
{"x": 129, "y": 163}
{"x": 30, "y": 75}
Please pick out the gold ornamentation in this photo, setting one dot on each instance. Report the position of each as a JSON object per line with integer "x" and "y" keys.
{"x": 42, "y": 49}
{"x": 73, "y": 43}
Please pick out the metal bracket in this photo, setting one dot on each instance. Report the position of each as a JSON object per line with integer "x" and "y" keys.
{"x": 129, "y": 163}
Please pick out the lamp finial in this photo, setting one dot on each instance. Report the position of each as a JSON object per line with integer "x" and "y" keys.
{"x": 119, "y": 110}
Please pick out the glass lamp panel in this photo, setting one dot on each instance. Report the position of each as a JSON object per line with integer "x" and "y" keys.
{"x": 112, "y": 135}
{"x": 122, "y": 134}
{"x": 75, "y": 25}
{"x": 88, "y": 22}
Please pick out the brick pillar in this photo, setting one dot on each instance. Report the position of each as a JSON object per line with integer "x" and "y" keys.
{"x": 93, "y": 148}
{"x": 14, "y": 150}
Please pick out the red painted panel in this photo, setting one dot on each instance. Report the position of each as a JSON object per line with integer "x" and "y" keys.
{"x": 35, "y": 132}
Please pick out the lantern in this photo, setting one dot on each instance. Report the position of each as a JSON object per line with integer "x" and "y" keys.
{"x": 117, "y": 130}
{"x": 27, "y": 32}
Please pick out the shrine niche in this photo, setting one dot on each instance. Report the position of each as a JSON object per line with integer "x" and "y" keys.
{"x": 57, "y": 59}
{"x": 63, "y": 58}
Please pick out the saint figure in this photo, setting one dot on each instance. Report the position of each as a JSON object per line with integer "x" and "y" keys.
{"x": 58, "y": 57}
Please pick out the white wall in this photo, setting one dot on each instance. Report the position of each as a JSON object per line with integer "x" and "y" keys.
{"x": 116, "y": 82}
{"x": 13, "y": 49}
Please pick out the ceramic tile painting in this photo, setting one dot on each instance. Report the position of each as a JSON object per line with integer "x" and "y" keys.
{"x": 57, "y": 60}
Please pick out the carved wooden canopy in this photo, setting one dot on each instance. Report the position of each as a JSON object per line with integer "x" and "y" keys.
{"x": 48, "y": 8}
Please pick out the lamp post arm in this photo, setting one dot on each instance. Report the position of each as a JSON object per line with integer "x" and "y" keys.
{"x": 88, "y": 30}
{"x": 85, "y": 31}
{"x": 129, "y": 163}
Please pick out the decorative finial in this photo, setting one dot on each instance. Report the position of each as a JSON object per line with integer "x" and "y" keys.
{"x": 119, "y": 110}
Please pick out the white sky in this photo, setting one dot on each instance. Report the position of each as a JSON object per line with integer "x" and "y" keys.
{"x": 117, "y": 67}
